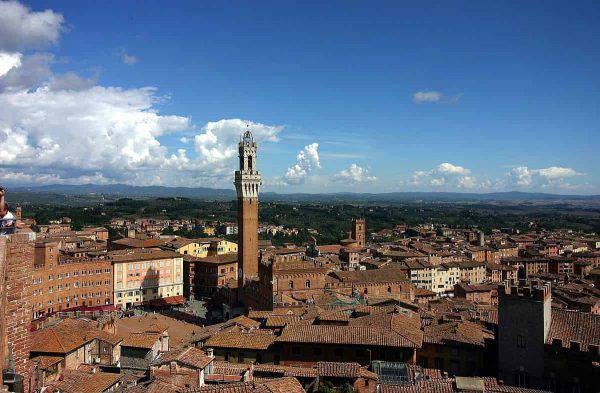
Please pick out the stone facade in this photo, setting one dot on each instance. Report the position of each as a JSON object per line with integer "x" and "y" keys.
{"x": 524, "y": 316}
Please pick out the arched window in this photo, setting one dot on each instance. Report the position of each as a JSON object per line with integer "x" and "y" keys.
{"x": 291, "y": 285}
{"x": 249, "y": 163}
{"x": 389, "y": 289}
{"x": 307, "y": 283}
{"x": 366, "y": 291}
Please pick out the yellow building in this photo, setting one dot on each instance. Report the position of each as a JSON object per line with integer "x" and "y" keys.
{"x": 146, "y": 276}
{"x": 201, "y": 247}
{"x": 209, "y": 231}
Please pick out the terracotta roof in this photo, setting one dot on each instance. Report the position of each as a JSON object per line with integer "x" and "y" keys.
{"x": 46, "y": 361}
{"x": 449, "y": 385}
{"x": 404, "y": 323}
{"x": 574, "y": 326}
{"x": 68, "y": 335}
{"x": 141, "y": 340}
{"x": 345, "y": 335}
{"x": 334, "y": 315}
{"x": 181, "y": 334}
{"x": 463, "y": 332}
{"x": 436, "y": 386}
{"x": 340, "y": 370}
{"x": 139, "y": 243}
{"x": 275, "y": 321}
{"x": 75, "y": 381}
{"x": 192, "y": 356}
{"x": 230, "y": 257}
{"x": 243, "y": 321}
{"x": 278, "y": 385}
{"x": 369, "y": 276}
{"x": 258, "y": 340}
{"x": 284, "y": 385}
{"x": 136, "y": 255}
{"x": 287, "y": 371}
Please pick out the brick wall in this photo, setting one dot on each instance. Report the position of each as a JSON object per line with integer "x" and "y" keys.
{"x": 2, "y": 307}
{"x": 17, "y": 253}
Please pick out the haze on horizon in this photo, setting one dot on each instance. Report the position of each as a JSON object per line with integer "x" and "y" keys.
{"x": 342, "y": 96}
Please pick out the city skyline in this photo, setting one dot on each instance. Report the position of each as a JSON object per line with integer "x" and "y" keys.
{"x": 377, "y": 98}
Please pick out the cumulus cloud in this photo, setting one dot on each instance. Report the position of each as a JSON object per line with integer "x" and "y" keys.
{"x": 446, "y": 175}
{"x": 448, "y": 169}
{"x": 554, "y": 176}
{"x": 21, "y": 28}
{"x": 30, "y": 72}
{"x": 65, "y": 128}
{"x": 218, "y": 140}
{"x": 307, "y": 161}
{"x": 128, "y": 59}
{"x": 354, "y": 174}
{"x": 95, "y": 129}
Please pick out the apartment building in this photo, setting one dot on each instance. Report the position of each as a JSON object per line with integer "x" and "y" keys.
{"x": 144, "y": 276}
{"x": 65, "y": 283}
{"x": 438, "y": 279}
{"x": 201, "y": 247}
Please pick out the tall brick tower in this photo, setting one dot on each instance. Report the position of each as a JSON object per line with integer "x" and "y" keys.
{"x": 358, "y": 231}
{"x": 247, "y": 185}
{"x": 524, "y": 317}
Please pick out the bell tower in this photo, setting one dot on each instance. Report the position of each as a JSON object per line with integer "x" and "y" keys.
{"x": 247, "y": 185}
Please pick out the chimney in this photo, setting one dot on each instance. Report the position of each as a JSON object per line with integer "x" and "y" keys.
{"x": 557, "y": 342}
{"x": 575, "y": 346}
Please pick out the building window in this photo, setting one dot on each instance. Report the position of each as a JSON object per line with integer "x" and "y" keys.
{"x": 521, "y": 341}
{"x": 291, "y": 285}
{"x": 307, "y": 283}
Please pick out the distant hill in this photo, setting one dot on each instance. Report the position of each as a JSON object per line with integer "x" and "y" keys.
{"x": 121, "y": 190}
{"x": 130, "y": 191}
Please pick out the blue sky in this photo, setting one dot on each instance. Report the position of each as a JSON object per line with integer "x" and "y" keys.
{"x": 352, "y": 96}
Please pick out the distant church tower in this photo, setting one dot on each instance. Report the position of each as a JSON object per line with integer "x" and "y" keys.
{"x": 247, "y": 185}
{"x": 358, "y": 231}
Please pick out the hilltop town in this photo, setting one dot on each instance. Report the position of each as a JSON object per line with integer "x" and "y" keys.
{"x": 135, "y": 306}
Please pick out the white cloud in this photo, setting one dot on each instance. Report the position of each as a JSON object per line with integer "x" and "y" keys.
{"x": 21, "y": 29}
{"x": 448, "y": 169}
{"x": 64, "y": 128}
{"x": 427, "y": 96}
{"x": 556, "y": 172}
{"x": 354, "y": 174}
{"x": 30, "y": 72}
{"x": 218, "y": 140}
{"x": 128, "y": 59}
{"x": 446, "y": 175}
{"x": 554, "y": 176}
{"x": 307, "y": 161}
{"x": 9, "y": 61}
